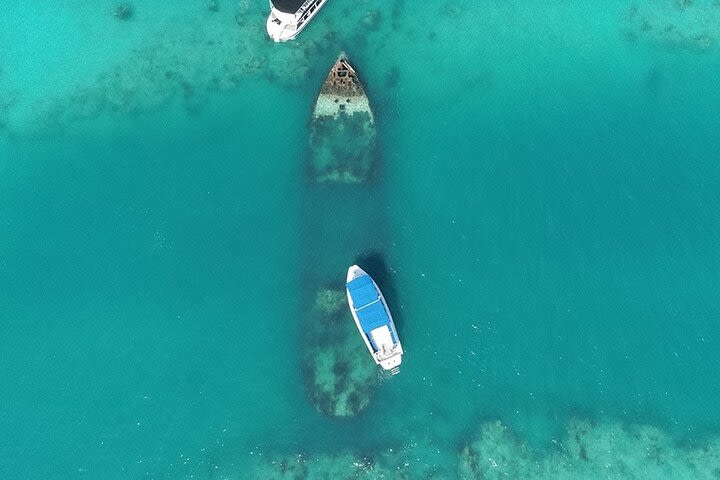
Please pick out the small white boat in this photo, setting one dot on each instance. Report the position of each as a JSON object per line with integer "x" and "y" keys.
{"x": 373, "y": 319}
{"x": 288, "y": 17}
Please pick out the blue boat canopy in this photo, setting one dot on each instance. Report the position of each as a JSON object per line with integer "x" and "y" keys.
{"x": 372, "y": 317}
{"x": 362, "y": 291}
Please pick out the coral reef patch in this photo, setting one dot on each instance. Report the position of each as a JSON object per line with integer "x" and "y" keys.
{"x": 588, "y": 451}
{"x": 675, "y": 24}
{"x": 390, "y": 463}
{"x": 185, "y": 61}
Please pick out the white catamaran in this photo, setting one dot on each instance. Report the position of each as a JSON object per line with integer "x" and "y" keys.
{"x": 373, "y": 319}
{"x": 288, "y": 17}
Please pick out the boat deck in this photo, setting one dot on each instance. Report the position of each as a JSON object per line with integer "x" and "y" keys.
{"x": 373, "y": 319}
{"x": 368, "y": 305}
{"x": 287, "y": 6}
{"x": 363, "y": 291}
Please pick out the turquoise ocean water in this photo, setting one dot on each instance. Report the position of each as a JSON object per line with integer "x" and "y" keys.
{"x": 551, "y": 199}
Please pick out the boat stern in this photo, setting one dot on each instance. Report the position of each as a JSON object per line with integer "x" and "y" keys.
{"x": 281, "y": 26}
{"x": 392, "y": 363}
{"x": 388, "y": 353}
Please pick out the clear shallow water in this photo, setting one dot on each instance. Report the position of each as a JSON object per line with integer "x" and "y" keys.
{"x": 553, "y": 217}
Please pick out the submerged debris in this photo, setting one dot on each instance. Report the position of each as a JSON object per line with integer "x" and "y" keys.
{"x": 342, "y": 130}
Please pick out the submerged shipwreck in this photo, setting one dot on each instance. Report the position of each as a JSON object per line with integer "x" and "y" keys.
{"x": 338, "y": 382}
{"x": 339, "y": 379}
{"x": 342, "y": 129}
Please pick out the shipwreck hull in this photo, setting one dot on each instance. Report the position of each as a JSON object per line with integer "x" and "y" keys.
{"x": 342, "y": 130}
{"x": 343, "y": 219}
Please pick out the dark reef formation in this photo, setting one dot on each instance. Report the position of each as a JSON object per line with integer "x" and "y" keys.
{"x": 123, "y": 11}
